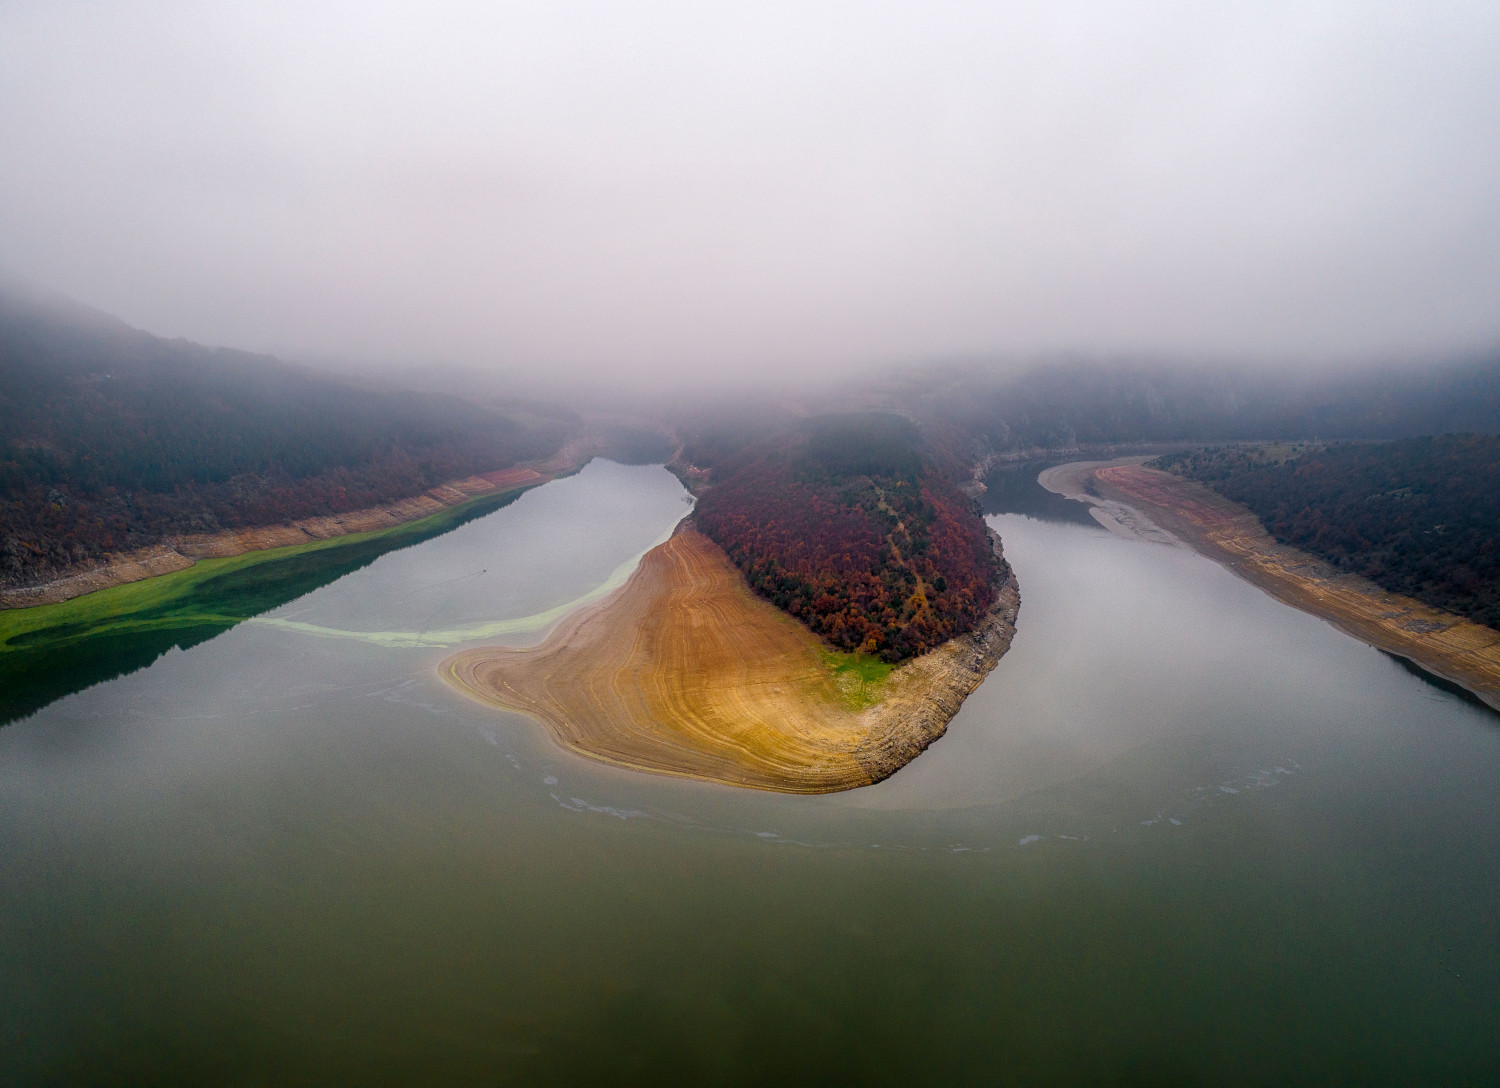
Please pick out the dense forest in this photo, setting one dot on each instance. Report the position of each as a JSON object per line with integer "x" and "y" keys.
{"x": 111, "y": 439}
{"x": 1420, "y": 516}
{"x": 849, "y": 526}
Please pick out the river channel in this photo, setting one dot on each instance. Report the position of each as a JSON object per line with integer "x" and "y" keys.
{"x": 1182, "y": 835}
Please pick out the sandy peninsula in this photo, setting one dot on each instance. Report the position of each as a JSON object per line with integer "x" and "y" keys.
{"x": 684, "y": 671}
{"x": 1454, "y": 648}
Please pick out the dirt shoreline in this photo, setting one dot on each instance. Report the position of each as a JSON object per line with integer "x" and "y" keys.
{"x": 1075, "y": 480}
{"x": 1449, "y": 646}
{"x": 683, "y": 671}
{"x": 179, "y": 553}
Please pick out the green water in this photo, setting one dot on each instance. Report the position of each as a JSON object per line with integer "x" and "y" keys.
{"x": 1182, "y": 835}
{"x": 54, "y": 650}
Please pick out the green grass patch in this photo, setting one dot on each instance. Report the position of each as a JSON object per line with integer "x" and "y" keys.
{"x": 53, "y": 650}
{"x": 859, "y": 678}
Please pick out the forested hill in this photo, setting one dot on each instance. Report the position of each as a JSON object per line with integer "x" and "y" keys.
{"x": 853, "y": 526}
{"x": 111, "y": 438}
{"x": 1419, "y": 516}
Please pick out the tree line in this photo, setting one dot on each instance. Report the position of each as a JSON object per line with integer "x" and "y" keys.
{"x": 1419, "y": 516}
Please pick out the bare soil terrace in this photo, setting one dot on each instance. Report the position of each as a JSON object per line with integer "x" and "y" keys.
{"x": 684, "y": 671}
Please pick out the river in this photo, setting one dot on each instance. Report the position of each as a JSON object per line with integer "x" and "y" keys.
{"x": 1182, "y": 834}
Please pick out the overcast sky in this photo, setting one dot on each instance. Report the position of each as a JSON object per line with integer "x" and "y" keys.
{"x": 719, "y": 188}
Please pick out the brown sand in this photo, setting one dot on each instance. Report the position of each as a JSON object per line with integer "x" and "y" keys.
{"x": 684, "y": 671}
{"x": 1450, "y": 646}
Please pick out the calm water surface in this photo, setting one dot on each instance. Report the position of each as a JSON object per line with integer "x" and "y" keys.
{"x": 1183, "y": 834}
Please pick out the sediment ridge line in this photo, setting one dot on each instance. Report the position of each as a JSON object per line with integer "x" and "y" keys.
{"x": 685, "y": 672}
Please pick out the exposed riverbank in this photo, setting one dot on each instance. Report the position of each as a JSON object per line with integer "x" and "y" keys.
{"x": 180, "y": 553}
{"x": 1182, "y": 511}
{"x": 54, "y": 649}
{"x": 684, "y": 671}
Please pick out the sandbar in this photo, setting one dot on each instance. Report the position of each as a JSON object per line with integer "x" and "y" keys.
{"x": 684, "y": 671}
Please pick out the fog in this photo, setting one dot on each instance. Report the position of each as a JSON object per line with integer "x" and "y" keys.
{"x": 704, "y": 191}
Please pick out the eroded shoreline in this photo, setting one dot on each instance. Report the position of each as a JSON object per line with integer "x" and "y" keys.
{"x": 1185, "y": 512}
{"x": 683, "y": 671}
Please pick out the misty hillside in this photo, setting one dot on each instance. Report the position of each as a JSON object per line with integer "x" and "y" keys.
{"x": 113, "y": 438}
{"x": 1068, "y": 406}
{"x": 849, "y": 523}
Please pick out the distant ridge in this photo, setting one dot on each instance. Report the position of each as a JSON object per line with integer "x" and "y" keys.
{"x": 1076, "y": 405}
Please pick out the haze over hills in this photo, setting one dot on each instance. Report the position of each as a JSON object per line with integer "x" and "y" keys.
{"x": 113, "y": 438}
{"x": 504, "y": 460}
{"x": 1071, "y": 405}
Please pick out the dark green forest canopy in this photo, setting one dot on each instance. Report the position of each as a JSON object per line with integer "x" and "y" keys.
{"x": 1420, "y": 516}
{"x": 111, "y": 438}
{"x": 846, "y": 523}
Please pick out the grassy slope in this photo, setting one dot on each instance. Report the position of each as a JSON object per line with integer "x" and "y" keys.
{"x": 859, "y": 678}
{"x": 53, "y": 650}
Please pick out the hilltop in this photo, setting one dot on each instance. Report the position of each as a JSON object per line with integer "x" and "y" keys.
{"x": 850, "y": 524}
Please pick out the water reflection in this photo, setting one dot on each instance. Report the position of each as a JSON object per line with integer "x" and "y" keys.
{"x": 1441, "y": 683}
{"x": 1182, "y": 835}
{"x": 1011, "y": 488}
{"x": 43, "y": 665}
{"x": 456, "y": 588}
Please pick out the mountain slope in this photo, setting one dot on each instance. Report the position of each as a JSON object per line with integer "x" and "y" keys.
{"x": 111, "y": 439}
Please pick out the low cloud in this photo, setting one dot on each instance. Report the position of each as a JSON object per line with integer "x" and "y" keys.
{"x": 774, "y": 189}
